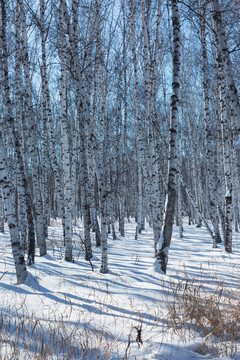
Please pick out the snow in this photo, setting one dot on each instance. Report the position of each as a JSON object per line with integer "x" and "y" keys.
{"x": 76, "y": 313}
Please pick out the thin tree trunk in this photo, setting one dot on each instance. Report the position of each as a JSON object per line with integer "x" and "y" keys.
{"x": 139, "y": 126}
{"x": 9, "y": 123}
{"x": 9, "y": 199}
{"x": 223, "y": 52}
{"x": 226, "y": 146}
{"x": 32, "y": 135}
{"x": 21, "y": 204}
{"x": 83, "y": 106}
{"x": 209, "y": 137}
{"x": 65, "y": 145}
{"x": 2, "y": 212}
{"x": 166, "y": 237}
{"x": 84, "y": 192}
{"x": 150, "y": 113}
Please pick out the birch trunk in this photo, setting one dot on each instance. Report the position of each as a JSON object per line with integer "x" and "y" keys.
{"x": 83, "y": 161}
{"x": 9, "y": 200}
{"x": 91, "y": 193}
{"x": 65, "y": 145}
{"x": 179, "y": 189}
{"x": 2, "y": 212}
{"x": 140, "y": 148}
{"x": 10, "y": 126}
{"x": 219, "y": 151}
{"x": 83, "y": 106}
{"x": 84, "y": 191}
{"x": 223, "y": 52}
{"x": 209, "y": 136}
{"x": 32, "y": 134}
{"x": 45, "y": 121}
{"x": 102, "y": 182}
{"x": 180, "y": 219}
{"x": 21, "y": 204}
{"x": 124, "y": 132}
{"x": 235, "y": 182}
{"x": 150, "y": 113}
{"x": 226, "y": 146}
{"x": 162, "y": 255}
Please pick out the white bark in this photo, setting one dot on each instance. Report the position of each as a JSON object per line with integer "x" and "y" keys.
{"x": 2, "y": 212}
{"x": 9, "y": 124}
{"x": 139, "y": 126}
{"x": 84, "y": 191}
{"x": 32, "y": 135}
{"x": 162, "y": 255}
{"x": 150, "y": 113}
{"x": 65, "y": 144}
{"x": 101, "y": 128}
{"x": 83, "y": 106}
{"x": 222, "y": 50}
{"x": 9, "y": 200}
{"x": 83, "y": 161}
{"x": 226, "y": 146}
{"x": 21, "y": 204}
{"x": 209, "y": 135}
{"x": 46, "y": 114}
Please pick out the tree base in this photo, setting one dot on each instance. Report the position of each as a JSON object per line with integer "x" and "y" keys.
{"x": 162, "y": 260}
{"x": 103, "y": 271}
{"x": 69, "y": 259}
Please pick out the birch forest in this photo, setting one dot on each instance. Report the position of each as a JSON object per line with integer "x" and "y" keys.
{"x": 114, "y": 111}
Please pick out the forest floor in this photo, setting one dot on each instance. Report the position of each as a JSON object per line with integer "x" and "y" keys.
{"x": 72, "y": 311}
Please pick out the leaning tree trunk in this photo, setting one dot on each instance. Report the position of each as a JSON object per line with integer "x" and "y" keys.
{"x": 166, "y": 236}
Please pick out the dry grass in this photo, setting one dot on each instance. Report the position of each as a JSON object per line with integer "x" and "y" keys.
{"x": 26, "y": 338}
{"x": 205, "y": 314}
{"x": 208, "y": 311}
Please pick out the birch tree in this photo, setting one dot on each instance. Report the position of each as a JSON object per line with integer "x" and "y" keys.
{"x": 9, "y": 200}
{"x": 139, "y": 126}
{"x": 83, "y": 107}
{"x": 65, "y": 142}
{"x": 15, "y": 136}
{"x": 18, "y": 115}
{"x": 166, "y": 235}
{"x": 226, "y": 145}
{"x": 149, "y": 55}
{"x": 2, "y": 212}
{"x": 32, "y": 133}
{"x": 6, "y": 186}
{"x": 223, "y": 52}
{"x": 209, "y": 135}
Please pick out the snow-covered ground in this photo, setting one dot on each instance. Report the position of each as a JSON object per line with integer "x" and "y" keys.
{"x": 72, "y": 311}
